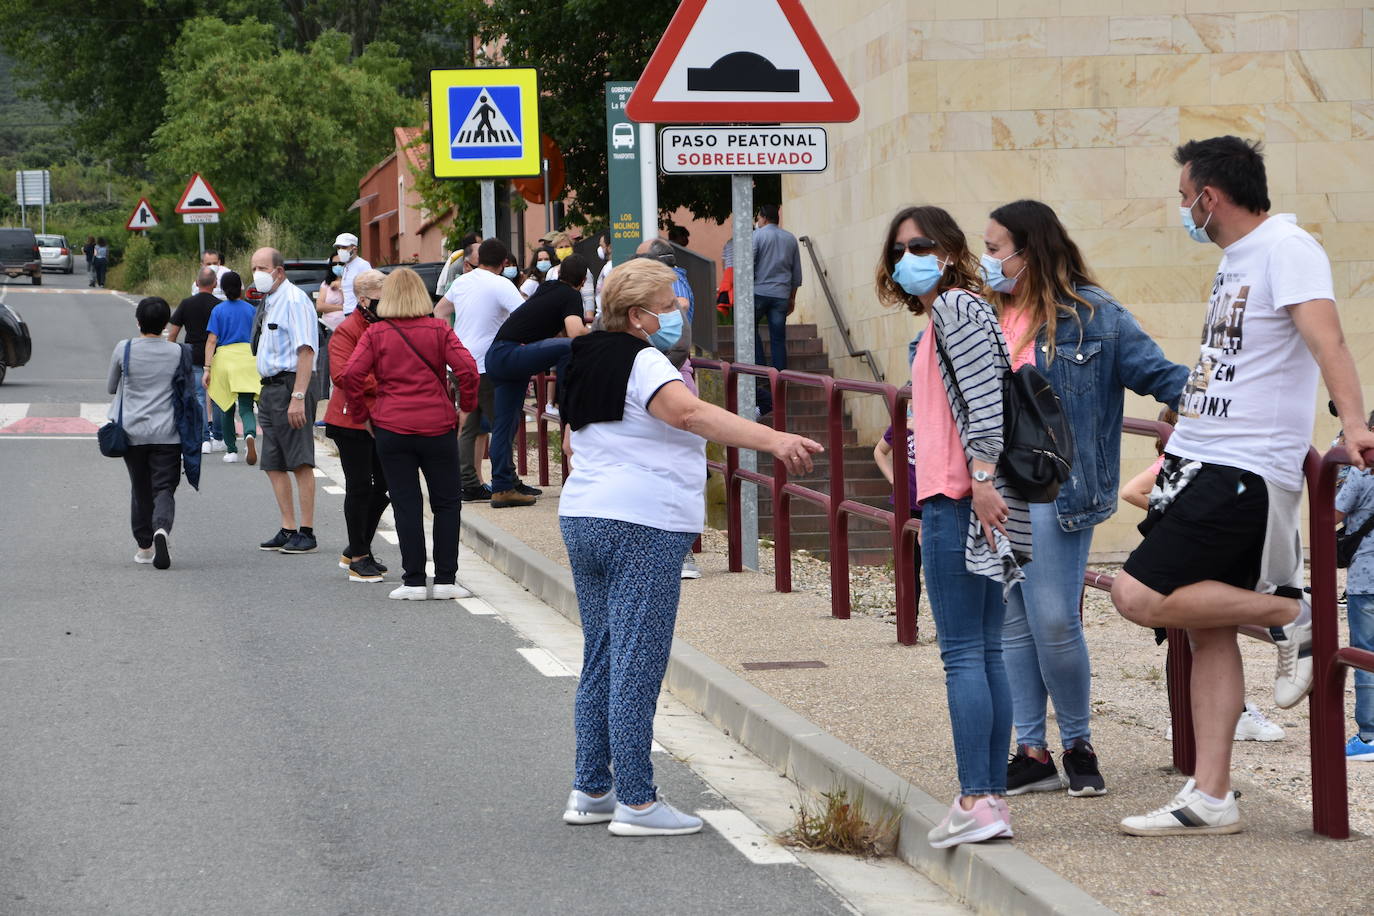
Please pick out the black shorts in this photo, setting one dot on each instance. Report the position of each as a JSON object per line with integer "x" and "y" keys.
{"x": 1214, "y": 530}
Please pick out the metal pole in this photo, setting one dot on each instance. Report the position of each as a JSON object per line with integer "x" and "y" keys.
{"x": 742, "y": 199}
{"x": 43, "y": 215}
{"x": 201, "y": 227}
{"x": 488, "y": 208}
{"x": 648, "y": 180}
{"x": 548, "y": 201}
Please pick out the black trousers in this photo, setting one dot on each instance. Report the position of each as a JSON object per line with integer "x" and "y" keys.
{"x": 405, "y": 458}
{"x": 365, "y": 494}
{"x": 154, "y": 472}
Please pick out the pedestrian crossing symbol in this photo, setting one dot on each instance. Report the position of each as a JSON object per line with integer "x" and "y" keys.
{"x": 485, "y": 122}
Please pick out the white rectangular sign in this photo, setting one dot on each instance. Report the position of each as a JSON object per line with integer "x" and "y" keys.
{"x": 33, "y": 188}
{"x": 192, "y": 218}
{"x": 741, "y": 150}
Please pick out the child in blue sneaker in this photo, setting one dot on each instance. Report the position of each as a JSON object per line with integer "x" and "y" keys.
{"x": 1354, "y": 505}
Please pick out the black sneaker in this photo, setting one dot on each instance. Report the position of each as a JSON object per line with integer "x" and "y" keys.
{"x": 478, "y": 494}
{"x": 528, "y": 490}
{"x": 299, "y": 543}
{"x": 377, "y": 562}
{"x": 1080, "y": 766}
{"x": 364, "y": 570}
{"x": 1026, "y": 774}
{"x": 278, "y": 540}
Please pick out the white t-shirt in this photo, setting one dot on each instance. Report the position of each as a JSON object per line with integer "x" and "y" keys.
{"x": 481, "y": 301}
{"x": 220, "y": 270}
{"x": 1251, "y": 400}
{"x": 529, "y": 286}
{"x": 351, "y": 271}
{"x": 639, "y": 469}
{"x": 600, "y": 282}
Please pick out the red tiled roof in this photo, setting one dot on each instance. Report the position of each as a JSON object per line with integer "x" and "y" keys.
{"x": 418, "y": 153}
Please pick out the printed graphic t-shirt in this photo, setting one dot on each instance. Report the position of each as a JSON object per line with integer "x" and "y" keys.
{"x": 1251, "y": 399}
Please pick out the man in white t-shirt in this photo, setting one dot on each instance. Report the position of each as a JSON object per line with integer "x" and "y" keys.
{"x": 347, "y": 247}
{"x": 1222, "y": 546}
{"x": 211, "y": 258}
{"x": 478, "y": 303}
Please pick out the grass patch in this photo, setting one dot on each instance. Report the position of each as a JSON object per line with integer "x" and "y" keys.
{"x": 835, "y": 824}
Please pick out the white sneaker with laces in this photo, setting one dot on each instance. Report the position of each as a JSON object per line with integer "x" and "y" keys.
{"x": 589, "y": 809}
{"x": 1255, "y": 726}
{"x": 659, "y": 819}
{"x": 410, "y": 593}
{"x": 1293, "y": 677}
{"x": 1188, "y": 814}
{"x": 143, "y": 556}
{"x": 690, "y": 570}
{"x": 450, "y": 591}
{"x": 231, "y": 458}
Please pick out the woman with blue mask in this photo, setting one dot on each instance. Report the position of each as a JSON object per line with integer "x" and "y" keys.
{"x": 1091, "y": 349}
{"x": 329, "y": 301}
{"x": 542, "y": 261}
{"x": 629, "y": 512}
{"x": 975, "y": 530}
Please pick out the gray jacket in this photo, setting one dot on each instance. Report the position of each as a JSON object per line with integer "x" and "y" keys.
{"x": 147, "y": 391}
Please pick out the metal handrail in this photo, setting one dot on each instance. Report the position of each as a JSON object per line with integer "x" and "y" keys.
{"x": 840, "y": 324}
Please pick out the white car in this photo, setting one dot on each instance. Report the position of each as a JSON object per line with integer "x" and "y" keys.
{"x": 623, "y": 134}
{"x": 55, "y": 254}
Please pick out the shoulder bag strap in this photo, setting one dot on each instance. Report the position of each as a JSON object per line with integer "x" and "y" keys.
{"x": 438, "y": 373}
{"x": 128, "y": 344}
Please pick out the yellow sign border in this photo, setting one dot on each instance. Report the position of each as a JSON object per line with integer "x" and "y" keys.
{"x": 445, "y": 166}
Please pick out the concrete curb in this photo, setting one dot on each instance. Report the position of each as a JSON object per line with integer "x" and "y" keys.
{"x": 995, "y": 878}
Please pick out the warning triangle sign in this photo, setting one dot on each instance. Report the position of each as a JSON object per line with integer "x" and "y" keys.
{"x": 199, "y": 197}
{"x": 485, "y": 125}
{"x": 726, "y": 62}
{"x": 143, "y": 216}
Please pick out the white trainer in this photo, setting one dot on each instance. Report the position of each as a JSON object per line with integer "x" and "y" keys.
{"x": 446, "y": 592}
{"x": 143, "y": 556}
{"x": 1188, "y": 814}
{"x": 1293, "y": 677}
{"x": 410, "y": 593}
{"x": 231, "y": 458}
{"x": 1256, "y": 726}
{"x": 588, "y": 809}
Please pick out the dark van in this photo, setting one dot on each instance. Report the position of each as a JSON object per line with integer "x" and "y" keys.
{"x": 19, "y": 254}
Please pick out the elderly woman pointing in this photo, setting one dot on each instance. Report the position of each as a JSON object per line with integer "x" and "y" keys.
{"x": 629, "y": 512}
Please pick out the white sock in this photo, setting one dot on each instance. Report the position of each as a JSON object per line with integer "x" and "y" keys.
{"x": 1304, "y": 613}
{"x": 1214, "y": 802}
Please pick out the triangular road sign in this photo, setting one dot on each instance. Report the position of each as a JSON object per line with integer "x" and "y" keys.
{"x": 722, "y": 61}
{"x": 199, "y": 197}
{"x": 143, "y": 216}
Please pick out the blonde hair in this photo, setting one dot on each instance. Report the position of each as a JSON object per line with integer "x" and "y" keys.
{"x": 404, "y": 296}
{"x": 369, "y": 283}
{"x": 633, "y": 284}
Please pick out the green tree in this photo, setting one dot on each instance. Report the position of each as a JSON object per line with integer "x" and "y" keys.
{"x": 279, "y": 133}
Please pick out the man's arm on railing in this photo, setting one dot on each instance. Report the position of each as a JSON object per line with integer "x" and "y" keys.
{"x": 1320, "y": 326}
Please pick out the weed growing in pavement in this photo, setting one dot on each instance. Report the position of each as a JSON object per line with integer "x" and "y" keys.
{"x": 837, "y": 825}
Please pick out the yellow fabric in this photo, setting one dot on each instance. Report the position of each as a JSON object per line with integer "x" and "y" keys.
{"x": 234, "y": 371}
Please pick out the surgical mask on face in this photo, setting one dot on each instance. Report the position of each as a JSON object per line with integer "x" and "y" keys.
{"x": 917, "y": 273}
{"x": 337, "y": 270}
{"x": 543, "y": 266}
{"x": 1195, "y": 232}
{"x": 345, "y": 255}
{"x": 993, "y": 276}
{"x": 669, "y": 329}
{"x": 563, "y": 253}
{"x": 510, "y": 273}
{"x": 262, "y": 281}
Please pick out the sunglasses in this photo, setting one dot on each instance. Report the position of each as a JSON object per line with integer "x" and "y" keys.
{"x": 915, "y": 245}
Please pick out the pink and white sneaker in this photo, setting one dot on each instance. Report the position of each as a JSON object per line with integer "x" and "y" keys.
{"x": 986, "y": 820}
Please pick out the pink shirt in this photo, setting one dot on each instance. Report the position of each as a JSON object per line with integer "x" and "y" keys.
{"x": 941, "y": 463}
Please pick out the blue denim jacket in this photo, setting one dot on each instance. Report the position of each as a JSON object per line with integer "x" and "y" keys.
{"x": 1095, "y": 361}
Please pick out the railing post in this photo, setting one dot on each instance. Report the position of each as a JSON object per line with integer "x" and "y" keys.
{"x": 838, "y": 521}
{"x": 1179, "y": 663}
{"x": 541, "y": 426}
{"x": 903, "y": 558}
{"x": 782, "y": 502}
{"x": 1326, "y": 704}
{"x": 733, "y": 520}
{"x": 521, "y": 461}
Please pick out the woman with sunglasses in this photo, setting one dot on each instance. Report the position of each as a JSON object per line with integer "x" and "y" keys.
{"x": 975, "y": 530}
{"x": 1091, "y": 350}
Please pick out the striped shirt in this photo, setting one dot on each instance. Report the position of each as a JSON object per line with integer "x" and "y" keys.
{"x": 288, "y": 324}
{"x": 973, "y": 365}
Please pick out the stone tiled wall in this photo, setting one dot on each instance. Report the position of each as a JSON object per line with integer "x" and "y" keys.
{"x": 1079, "y": 103}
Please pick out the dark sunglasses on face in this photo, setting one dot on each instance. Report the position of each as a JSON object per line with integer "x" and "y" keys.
{"x": 915, "y": 245}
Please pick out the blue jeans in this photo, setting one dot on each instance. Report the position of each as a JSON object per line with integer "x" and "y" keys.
{"x": 774, "y": 308}
{"x": 212, "y": 429}
{"x": 1046, "y": 653}
{"x": 509, "y": 366}
{"x": 1360, "y": 610}
{"x": 969, "y": 615}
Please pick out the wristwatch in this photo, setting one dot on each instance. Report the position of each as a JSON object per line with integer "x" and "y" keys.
{"x": 982, "y": 476}
{"x": 298, "y": 395}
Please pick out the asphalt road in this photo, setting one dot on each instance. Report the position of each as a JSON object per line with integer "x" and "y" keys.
{"x": 250, "y": 733}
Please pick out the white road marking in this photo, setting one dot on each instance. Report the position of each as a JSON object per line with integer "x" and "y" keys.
{"x": 544, "y": 662}
{"x": 96, "y": 413}
{"x": 656, "y": 748}
{"x": 748, "y": 837}
{"x": 26, "y": 438}
{"x": 333, "y": 490}
{"x": 12, "y": 412}
{"x": 319, "y": 473}
{"x": 389, "y": 536}
{"x": 477, "y": 607}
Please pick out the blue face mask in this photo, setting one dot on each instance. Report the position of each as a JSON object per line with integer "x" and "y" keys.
{"x": 993, "y": 276}
{"x": 1195, "y": 232}
{"x": 917, "y": 273}
{"x": 337, "y": 270}
{"x": 543, "y": 266}
{"x": 669, "y": 329}
{"x": 509, "y": 273}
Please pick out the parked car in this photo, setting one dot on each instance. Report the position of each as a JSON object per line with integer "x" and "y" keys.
{"x": 19, "y": 254}
{"x": 15, "y": 344}
{"x": 55, "y": 254}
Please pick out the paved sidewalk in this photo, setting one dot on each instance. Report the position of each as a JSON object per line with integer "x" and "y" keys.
{"x": 875, "y": 717}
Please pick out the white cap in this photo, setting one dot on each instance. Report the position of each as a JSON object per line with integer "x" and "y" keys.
{"x": 345, "y": 239}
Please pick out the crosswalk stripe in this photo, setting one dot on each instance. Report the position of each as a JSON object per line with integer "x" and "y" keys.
{"x": 11, "y": 412}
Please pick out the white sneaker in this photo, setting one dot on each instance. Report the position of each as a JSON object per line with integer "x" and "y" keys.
{"x": 659, "y": 819}
{"x": 1188, "y": 814}
{"x": 690, "y": 570}
{"x": 143, "y": 556}
{"x": 1293, "y": 677}
{"x": 1255, "y": 726}
{"x": 986, "y": 820}
{"x": 231, "y": 458}
{"x": 447, "y": 592}
{"x": 586, "y": 809}
{"x": 410, "y": 593}
{"x": 207, "y": 447}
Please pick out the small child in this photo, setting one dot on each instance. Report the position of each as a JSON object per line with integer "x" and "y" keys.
{"x": 882, "y": 457}
{"x": 1354, "y": 503}
{"x": 1253, "y": 725}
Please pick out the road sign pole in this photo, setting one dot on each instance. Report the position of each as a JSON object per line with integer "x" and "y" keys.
{"x": 648, "y": 179}
{"x": 201, "y": 229}
{"x": 43, "y": 210}
{"x": 548, "y": 200}
{"x": 742, "y": 199}
{"x": 488, "y": 208}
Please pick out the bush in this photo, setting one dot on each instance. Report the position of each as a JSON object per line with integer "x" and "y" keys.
{"x": 137, "y": 261}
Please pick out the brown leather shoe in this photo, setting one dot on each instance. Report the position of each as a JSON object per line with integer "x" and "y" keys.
{"x": 251, "y": 445}
{"x": 510, "y": 499}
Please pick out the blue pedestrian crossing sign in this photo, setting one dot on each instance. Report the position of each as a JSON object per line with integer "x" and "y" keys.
{"x": 485, "y": 122}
